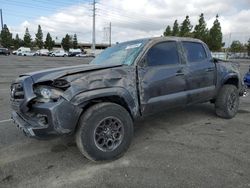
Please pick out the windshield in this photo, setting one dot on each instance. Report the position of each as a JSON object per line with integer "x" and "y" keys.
{"x": 123, "y": 53}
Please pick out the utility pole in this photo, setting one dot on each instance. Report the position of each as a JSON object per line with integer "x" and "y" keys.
{"x": 1, "y": 14}
{"x": 230, "y": 36}
{"x": 110, "y": 34}
{"x": 229, "y": 43}
{"x": 93, "y": 30}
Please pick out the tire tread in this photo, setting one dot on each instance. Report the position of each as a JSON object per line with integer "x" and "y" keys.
{"x": 83, "y": 127}
{"x": 221, "y": 101}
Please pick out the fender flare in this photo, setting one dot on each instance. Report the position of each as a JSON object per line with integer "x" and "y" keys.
{"x": 82, "y": 99}
{"x": 229, "y": 76}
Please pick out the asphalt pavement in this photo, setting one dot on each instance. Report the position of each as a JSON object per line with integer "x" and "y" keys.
{"x": 188, "y": 147}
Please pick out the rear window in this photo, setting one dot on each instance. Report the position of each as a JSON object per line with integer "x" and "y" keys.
{"x": 195, "y": 51}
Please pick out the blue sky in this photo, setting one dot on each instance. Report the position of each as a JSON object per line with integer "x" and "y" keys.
{"x": 130, "y": 19}
{"x": 17, "y": 11}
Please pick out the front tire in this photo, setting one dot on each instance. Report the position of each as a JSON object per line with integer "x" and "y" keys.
{"x": 104, "y": 132}
{"x": 227, "y": 102}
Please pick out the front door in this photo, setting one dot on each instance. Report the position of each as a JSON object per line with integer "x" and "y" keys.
{"x": 162, "y": 82}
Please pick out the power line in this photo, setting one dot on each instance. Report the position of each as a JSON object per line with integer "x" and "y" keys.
{"x": 112, "y": 14}
{"x": 44, "y": 8}
{"x": 22, "y": 4}
{"x": 131, "y": 15}
{"x": 65, "y": 24}
{"x": 130, "y": 19}
{"x": 65, "y": 3}
{"x": 56, "y": 3}
{"x": 122, "y": 21}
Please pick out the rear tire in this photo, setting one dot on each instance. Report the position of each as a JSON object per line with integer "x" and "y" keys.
{"x": 227, "y": 102}
{"x": 104, "y": 132}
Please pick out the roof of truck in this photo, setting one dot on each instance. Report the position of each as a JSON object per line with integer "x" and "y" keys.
{"x": 175, "y": 38}
{"x": 166, "y": 39}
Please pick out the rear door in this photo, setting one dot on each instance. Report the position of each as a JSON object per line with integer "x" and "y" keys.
{"x": 161, "y": 78}
{"x": 201, "y": 72}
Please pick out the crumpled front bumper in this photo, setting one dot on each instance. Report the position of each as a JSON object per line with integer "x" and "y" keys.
{"x": 22, "y": 124}
{"x": 48, "y": 119}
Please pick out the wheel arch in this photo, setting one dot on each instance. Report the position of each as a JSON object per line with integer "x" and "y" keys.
{"x": 116, "y": 95}
{"x": 231, "y": 79}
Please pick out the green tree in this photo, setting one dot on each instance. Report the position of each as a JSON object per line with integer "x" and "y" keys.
{"x": 39, "y": 37}
{"x": 49, "y": 43}
{"x": 167, "y": 31}
{"x": 215, "y": 36}
{"x": 27, "y": 38}
{"x": 67, "y": 42}
{"x": 186, "y": 27}
{"x": 176, "y": 29}
{"x": 236, "y": 46}
{"x": 200, "y": 30}
{"x": 248, "y": 47}
{"x": 17, "y": 42}
{"x": 6, "y": 37}
{"x": 75, "y": 43}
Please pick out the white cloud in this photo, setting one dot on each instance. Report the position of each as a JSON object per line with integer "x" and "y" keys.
{"x": 141, "y": 18}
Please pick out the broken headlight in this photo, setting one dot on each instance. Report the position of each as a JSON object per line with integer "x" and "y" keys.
{"x": 47, "y": 93}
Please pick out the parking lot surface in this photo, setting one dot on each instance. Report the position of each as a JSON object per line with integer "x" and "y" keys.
{"x": 188, "y": 147}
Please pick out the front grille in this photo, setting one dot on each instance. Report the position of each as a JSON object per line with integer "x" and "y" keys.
{"x": 17, "y": 92}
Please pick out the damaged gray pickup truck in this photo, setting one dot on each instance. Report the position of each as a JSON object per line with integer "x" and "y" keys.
{"x": 98, "y": 102}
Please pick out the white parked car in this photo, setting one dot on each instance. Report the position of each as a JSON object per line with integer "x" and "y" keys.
{"x": 74, "y": 52}
{"x": 85, "y": 55}
{"x": 26, "y": 53}
{"x": 81, "y": 55}
{"x": 59, "y": 53}
{"x": 20, "y": 50}
{"x": 42, "y": 52}
{"x": 71, "y": 50}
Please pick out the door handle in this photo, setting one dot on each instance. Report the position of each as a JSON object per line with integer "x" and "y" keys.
{"x": 179, "y": 73}
{"x": 209, "y": 69}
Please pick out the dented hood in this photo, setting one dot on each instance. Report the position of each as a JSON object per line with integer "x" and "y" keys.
{"x": 52, "y": 74}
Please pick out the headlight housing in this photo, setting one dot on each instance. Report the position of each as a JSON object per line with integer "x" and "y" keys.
{"x": 47, "y": 93}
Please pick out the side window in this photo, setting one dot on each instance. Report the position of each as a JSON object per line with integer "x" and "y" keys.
{"x": 164, "y": 53}
{"x": 195, "y": 51}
